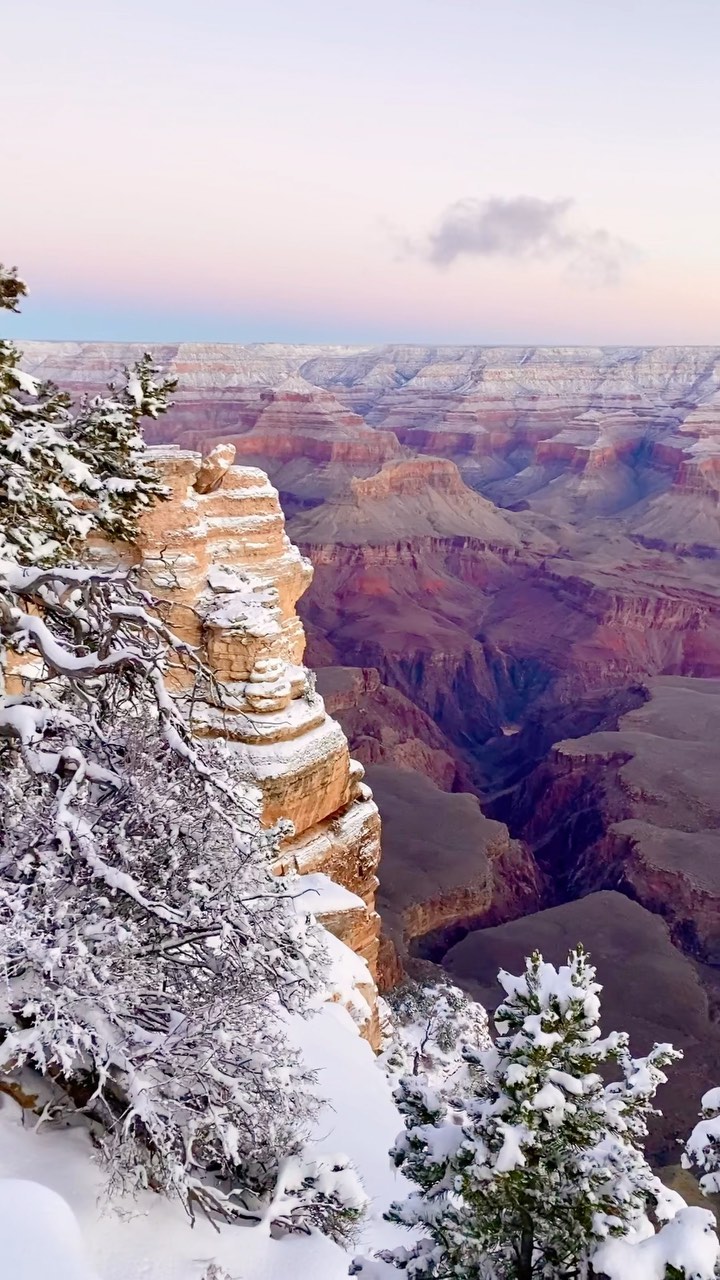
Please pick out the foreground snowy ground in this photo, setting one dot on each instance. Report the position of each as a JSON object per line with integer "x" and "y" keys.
{"x": 151, "y": 1238}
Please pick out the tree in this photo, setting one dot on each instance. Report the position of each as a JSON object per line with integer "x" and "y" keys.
{"x": 529, "y": 1172}
{"x": 149, "y": 959}
{"x": 65, "y": 475}
{"x": 432, "y": 1023}
{"x": 702, "y": 1149}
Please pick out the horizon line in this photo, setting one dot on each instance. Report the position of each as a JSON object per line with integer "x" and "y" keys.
{"x": 394, "y": 342}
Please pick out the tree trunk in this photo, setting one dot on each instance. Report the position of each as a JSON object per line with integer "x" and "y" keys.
{"x": 525, "y": 1253}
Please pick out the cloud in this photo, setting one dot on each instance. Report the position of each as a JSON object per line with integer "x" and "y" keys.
{"x": 526, "y": 227}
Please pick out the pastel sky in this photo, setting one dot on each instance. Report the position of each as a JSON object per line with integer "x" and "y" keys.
{"x": 521, "y": 171}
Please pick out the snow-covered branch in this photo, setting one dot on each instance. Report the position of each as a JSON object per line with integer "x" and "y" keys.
{"x": 148, "y": 958}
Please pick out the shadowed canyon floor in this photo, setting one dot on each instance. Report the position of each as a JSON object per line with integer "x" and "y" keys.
{"x": 516, "y": 613}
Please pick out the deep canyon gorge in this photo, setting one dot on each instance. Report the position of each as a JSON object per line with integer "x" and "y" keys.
{"x": 515, "y": 617}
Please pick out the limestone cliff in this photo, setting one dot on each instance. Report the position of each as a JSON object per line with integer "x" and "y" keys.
{"x": 217, "y": 551}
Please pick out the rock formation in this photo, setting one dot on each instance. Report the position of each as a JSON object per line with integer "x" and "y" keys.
{"x": 572, "y": 431}
{"x": 638, "y": 809}
{"x": 385, "y": 727}
{"x": 217, "y": 551}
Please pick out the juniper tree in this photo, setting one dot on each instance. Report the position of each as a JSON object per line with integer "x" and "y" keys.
{"x": 526, "y": 1174}
{"x": 148, "y": 958}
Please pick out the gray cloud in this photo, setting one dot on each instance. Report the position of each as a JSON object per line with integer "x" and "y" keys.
{"x": 526, "y": 227}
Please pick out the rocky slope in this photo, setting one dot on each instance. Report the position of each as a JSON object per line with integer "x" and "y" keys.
{"x": 387, "y": 728}
{"x": 505, "y": 638}
{"x": 638, "y": 809}
{"x": 446, "y": 868}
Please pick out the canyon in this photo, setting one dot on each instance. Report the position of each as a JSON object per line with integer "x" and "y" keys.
{"x": 515, "y": 619}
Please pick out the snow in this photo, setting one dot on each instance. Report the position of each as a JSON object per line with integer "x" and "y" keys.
{"x": 510, "y": 1155}
{"x": 272, "y": 760}
{"x": 318, "y": 894}
{"x": 349, "y": 973}
{"x": 151, "y": 1238}
{"x": 688, "y": 1242}
{"x": 23, "y": 721}
{"x": 39, "y": 1235}
{"x": 25, "y": 381}
{"x": 244, "y": 601}
{"x": 360, "y": 1117}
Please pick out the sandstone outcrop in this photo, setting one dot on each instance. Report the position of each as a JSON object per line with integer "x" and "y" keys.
{"x": 218, "y": 553}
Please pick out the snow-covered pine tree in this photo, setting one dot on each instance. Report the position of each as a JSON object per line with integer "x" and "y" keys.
{"x": 525, "y": 1176}
{"x": 148, "y": 958}
{"x": 66, "y": 474}
{"x": 702, "y": 1149}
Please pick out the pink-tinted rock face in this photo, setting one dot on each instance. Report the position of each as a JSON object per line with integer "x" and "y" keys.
{"x": 579, "y": 431}
{"x": 216, "y": 550}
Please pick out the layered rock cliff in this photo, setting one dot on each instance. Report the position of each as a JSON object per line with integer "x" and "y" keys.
{"x": 637, "y": 809}
{"x": 217, "y": 552}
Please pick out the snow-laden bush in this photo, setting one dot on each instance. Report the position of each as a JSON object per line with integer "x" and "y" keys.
{"x": 685, "y": 1248}
{"x": 702, "y": 1149}
{"x": 431, "y": 1023}
{"x": 148, "y": 958}
{"x": 529, "y": 1172}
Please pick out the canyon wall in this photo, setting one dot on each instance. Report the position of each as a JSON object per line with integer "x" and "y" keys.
{"x": 571, "y": 431}
{"x": 511, "y": 546}
{"x": 216, "y": 551}
{"x": 624, "y": 825}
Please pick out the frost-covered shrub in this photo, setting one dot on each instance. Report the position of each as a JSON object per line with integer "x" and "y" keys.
{"x": 148, "y": 959}
{"x": 430, "y": 1024}
{"x": 147, "y": 954}
{"x": 526, "y": 1174}
{"x": 702, "y": 1150}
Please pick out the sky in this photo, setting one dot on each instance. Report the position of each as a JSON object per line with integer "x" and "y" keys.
{"x": 523, "y": 171}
